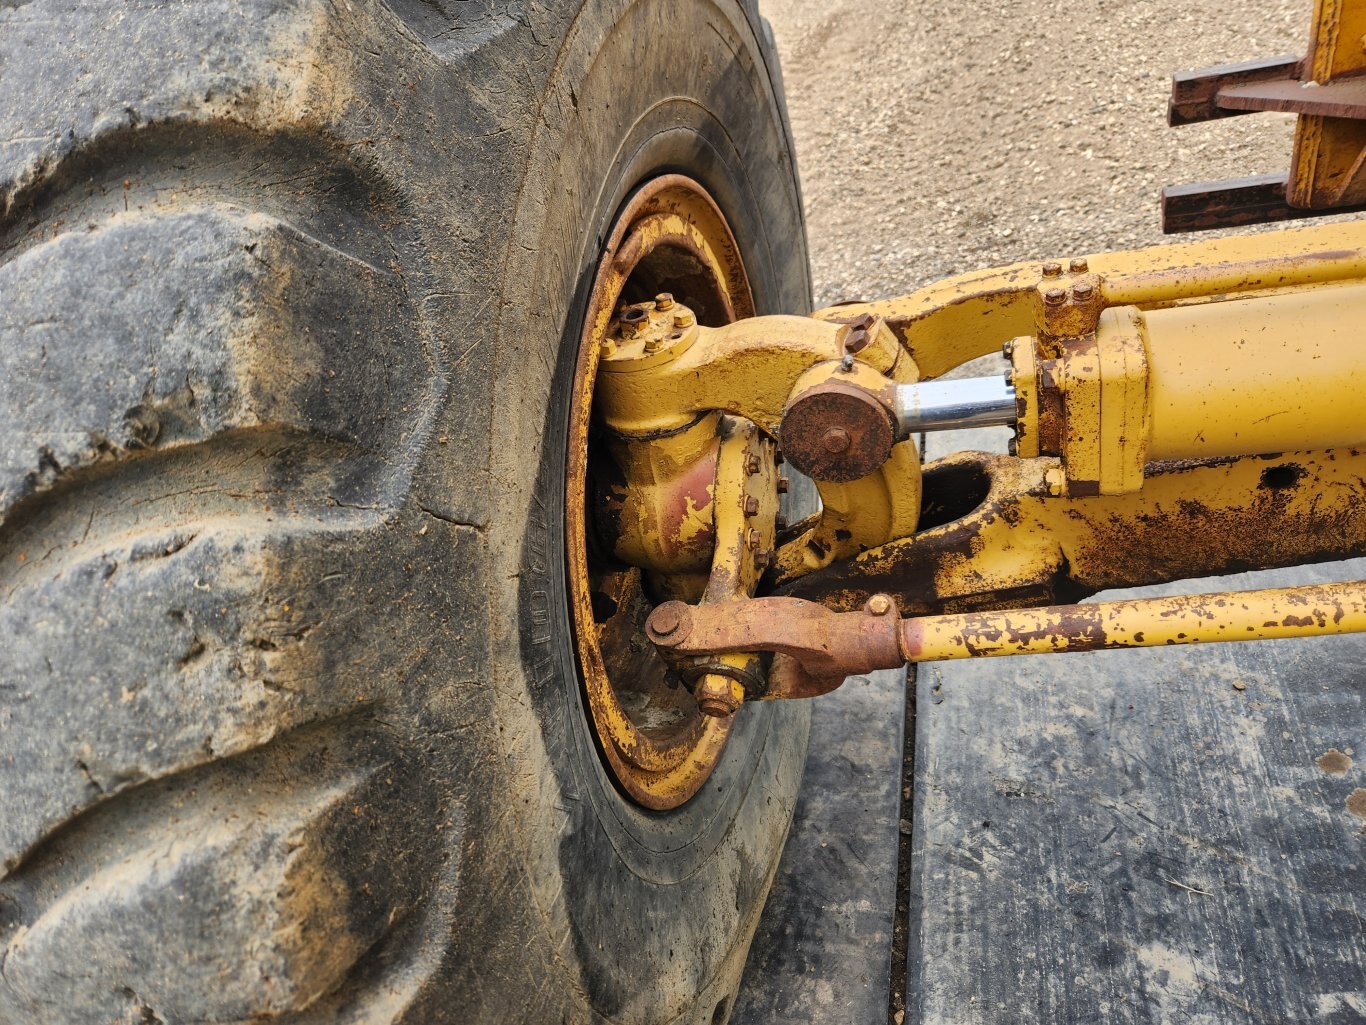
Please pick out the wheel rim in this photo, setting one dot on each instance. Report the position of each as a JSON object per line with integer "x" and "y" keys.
{"x": 656, "y": 744}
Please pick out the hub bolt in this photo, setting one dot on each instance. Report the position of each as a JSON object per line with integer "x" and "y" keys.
{"x": 684, "y": 318}
{"x": 664, "y": 301}
{"x": 836, "y": 440}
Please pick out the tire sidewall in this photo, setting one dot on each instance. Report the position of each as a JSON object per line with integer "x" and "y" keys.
{"x": 658, "y": 907}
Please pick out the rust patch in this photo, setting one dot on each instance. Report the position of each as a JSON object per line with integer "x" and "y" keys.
{"x": 1356, "y": 804}
{"x": 1334, "y": 762}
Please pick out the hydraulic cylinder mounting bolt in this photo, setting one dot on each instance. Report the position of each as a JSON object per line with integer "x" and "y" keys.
{"x": 1082, "y": 290}
{"x": 856, "y": 340}
{"x": 835, "y": 440}
{"x": 1052, "y": 270}
{"x": 1054, "y": 297}
{"x": 1077, "y": 266}
{"x": 879, "y": 605}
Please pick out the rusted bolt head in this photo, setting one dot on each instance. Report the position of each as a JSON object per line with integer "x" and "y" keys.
{"x": 1052, "y": 270}
{"x": 1054, "y": 297}
{"x": 751, "y": 506}
{"x": 856, "y": 340}
{"x": 1082, "y": 290}
{"x": 752, "y": 539}
{"x": 664, "y": 301}
{"x": 879, "y": 605}
{"x": 835, "y": 440}
{"x": 751, "y": 464}
{"x": 780, "y": 521}
{"x": 763, "y": 558}
{"x": 716, "y": 696}
{"x": 633, "y": 321}
{"x": 669, "y": 620}
{"x": 784, "y": 485}
{"x": 1077, "y": 266}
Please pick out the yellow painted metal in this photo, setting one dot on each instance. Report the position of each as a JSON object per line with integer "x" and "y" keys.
{"x": 1014, "y": 543}
{"x": 948, "y": 323}
{"x": 1246, "y": 376}
{"x": 747, "y": 368}
{"x": 1327, "y": 168}
{"x": 663, "y": 757}
{"x": 750, "y": 369}
{"x": 1141, "y": 622}
{"x": 1258, "y": 375}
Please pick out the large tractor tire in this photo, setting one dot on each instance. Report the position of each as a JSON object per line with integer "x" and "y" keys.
{"x": 291, "y": 728}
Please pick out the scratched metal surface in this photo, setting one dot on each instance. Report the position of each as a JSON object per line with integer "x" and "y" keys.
{"x": 823, "y": 951}
{"x": 1160, "y": 836}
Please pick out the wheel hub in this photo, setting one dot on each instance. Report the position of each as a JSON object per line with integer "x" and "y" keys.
{"x": 707, "y": 489}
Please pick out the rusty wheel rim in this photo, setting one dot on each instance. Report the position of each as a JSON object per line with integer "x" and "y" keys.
{"x": 656, "y": 744}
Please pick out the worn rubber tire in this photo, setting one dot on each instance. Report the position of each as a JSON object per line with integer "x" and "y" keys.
{"x": 289, "y": 721}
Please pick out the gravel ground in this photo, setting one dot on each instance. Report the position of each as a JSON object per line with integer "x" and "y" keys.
{"x": 938, "y": 138}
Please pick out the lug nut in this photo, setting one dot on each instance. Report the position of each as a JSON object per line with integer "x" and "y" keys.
{"x": 751, "y": 506}
{"x": 1054, "y": 297}
{"x": 1052, "y": 270}
{"x": 784, "y": 485}
{"x": 836, "y": 440}
{"x": 1077, "y": 266}
{"x": 879, "y": 605}
{"x": 664, "y": 301}
{"x": 1082, "y": 290}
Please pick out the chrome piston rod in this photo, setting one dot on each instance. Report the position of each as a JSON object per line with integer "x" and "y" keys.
{"x": 952, "y": 405}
